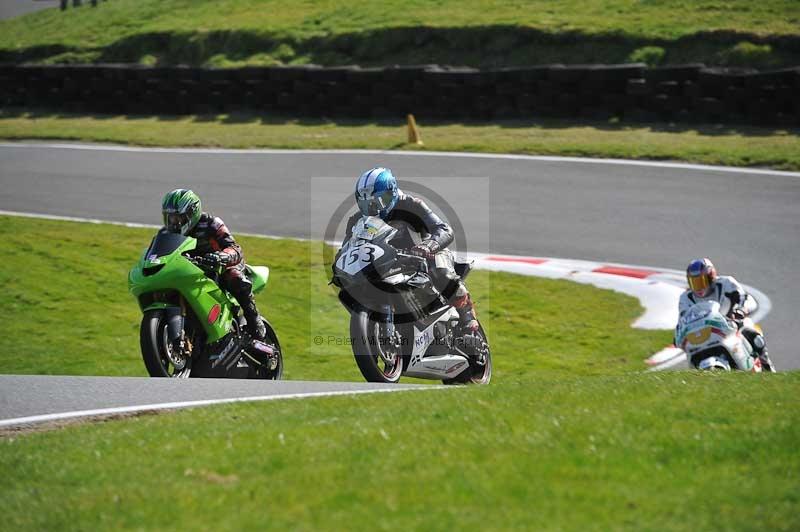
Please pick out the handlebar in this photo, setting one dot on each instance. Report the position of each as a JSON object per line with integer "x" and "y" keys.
{"x": 422, "y": 260}
{"x": 196, "y": 262}
{"x": 199, "y": 263}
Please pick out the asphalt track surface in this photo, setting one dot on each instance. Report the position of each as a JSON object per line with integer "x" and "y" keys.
{"x": 747, "y": 222}
{"x": 15, "y": 8}
{"x": 35, "y": 396}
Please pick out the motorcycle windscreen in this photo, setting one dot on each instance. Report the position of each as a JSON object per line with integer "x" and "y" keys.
{"x": 165, "y": 243}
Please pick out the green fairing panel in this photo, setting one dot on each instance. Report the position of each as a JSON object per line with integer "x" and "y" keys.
{"x": 157, "y": 306}
{"x": 258, "y": 275}
{"x": 175, "y": 272}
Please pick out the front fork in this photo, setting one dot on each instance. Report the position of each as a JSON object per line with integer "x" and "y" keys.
{"x": 391, "y": 350}
{"x": 387, "y": 324}
{"x": 176, "y": 320}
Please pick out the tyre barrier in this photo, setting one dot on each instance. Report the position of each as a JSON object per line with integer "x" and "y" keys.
{"x": 683, "y": 93}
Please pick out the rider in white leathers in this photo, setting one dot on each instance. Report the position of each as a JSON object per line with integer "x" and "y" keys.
{"x": 734, "y": 301}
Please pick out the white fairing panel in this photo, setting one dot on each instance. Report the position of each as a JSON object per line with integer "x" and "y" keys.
{"x": 435, "y": 367}
{"x": 370, "y": 227}
{"x": 358, "y": 252}
{"x": 397, "y": 278}
{"x": 356, "y": 257}
{"x": 703, "y": 328}
{"x": 438, "y": 367}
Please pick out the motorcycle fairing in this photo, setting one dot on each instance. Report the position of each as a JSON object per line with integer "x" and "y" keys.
{"x": 173, "y": 272}
{"x": 258, "y": 275}
{"x": 445, "y": 366}
{"x": 704, "y": 329}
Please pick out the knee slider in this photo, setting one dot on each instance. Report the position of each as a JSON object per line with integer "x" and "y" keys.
{"x": 759, "y": 342}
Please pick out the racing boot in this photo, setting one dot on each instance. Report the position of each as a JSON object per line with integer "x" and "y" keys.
{"x": 469, "y": 326}
{"x": 760, "y": 349}
{"x": 255, "y": 326}
{"x": 759, "y": 344}
{"x": 466, "y": 312}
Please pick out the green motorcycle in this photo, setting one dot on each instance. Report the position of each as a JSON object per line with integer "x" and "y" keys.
{"x": 191, "y": 326}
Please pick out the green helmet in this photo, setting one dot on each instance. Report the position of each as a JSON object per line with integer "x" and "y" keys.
{"x": 182, "y": 210}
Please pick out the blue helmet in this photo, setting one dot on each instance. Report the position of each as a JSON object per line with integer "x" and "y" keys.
{"x": 700, "y": 274}
{"x": 376, "y": 192}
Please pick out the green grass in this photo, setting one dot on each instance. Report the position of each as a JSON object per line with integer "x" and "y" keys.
{"x": 639, "y": 452}
{"x": 69, "y": 311}
{"x": 735, "y": 146}
{"x": 570, "y": 435}
{"x": 466, "y": 32}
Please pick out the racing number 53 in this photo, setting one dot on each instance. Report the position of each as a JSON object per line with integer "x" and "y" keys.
{"x": 367, "y": 254}
{"x": 357, "y": 258}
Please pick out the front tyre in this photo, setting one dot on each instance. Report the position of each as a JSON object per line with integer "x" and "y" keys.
{"x": 157, "y": 352}
{"x": 379, "y": 357}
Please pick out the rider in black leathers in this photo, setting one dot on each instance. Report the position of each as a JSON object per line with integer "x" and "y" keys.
{"x": 426, "y": 235}
{"x": 216, "y": 247}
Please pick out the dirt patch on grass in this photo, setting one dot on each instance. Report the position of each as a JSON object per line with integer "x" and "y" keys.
{"x": 47, "y": 426}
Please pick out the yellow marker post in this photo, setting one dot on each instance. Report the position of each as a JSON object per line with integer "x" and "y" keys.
{"x": 413, "y": 132}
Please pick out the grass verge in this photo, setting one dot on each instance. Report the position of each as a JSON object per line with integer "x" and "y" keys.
{"x": 568, "y": 436}
{"x": 484, "y": 33}
{"x": 725, "y": 145}
{"x": 678, "y": 451}
{"x": 70, "y": 314}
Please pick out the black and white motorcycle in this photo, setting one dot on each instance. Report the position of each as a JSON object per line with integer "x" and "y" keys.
{"x": 400, "y": 324}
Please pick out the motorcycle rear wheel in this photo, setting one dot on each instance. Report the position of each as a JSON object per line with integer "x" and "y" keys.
{"x": 371, "y": 352}
{"x": 476, "y": 374}
{"x": 262, "y": 372}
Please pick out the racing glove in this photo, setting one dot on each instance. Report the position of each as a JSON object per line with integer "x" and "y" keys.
{"x": 426, "y": 249}
{"x": 737, "y": 314}
{"x": 214, "y": 260}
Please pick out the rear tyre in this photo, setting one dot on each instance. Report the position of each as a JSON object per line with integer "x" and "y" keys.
{"x": 476, "y": 374}
{"x": 157, "y": 352}
{"x": 263, "y": 372}
{"x": 380, "y": 359}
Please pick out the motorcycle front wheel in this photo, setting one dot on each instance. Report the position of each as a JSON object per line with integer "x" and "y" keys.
{"x": 157, "y": 352}
{"x": 379, "y": 358}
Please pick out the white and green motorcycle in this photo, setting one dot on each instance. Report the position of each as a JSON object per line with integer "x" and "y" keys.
{"x": 713, "y": 342}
